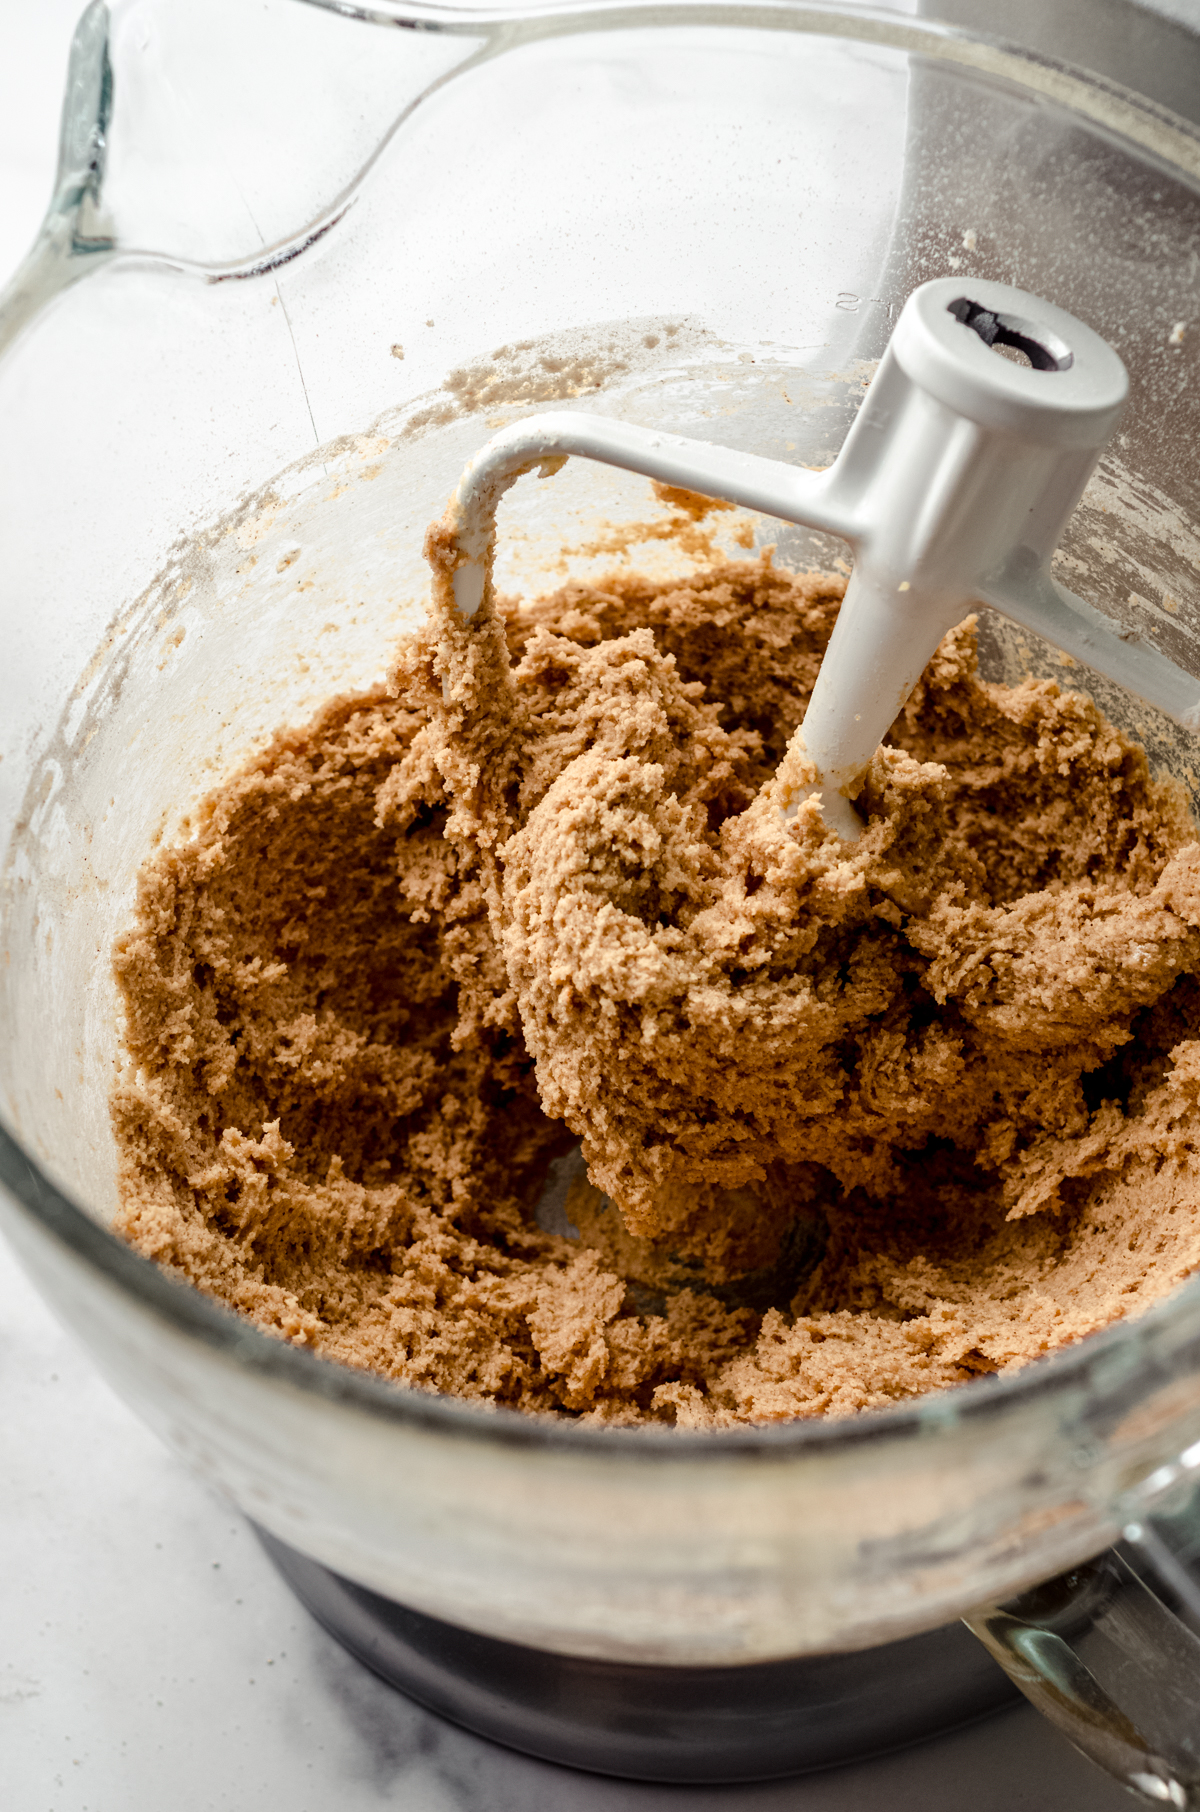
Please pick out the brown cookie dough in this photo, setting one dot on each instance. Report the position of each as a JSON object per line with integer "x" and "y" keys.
{"x": 877, "y": 1119}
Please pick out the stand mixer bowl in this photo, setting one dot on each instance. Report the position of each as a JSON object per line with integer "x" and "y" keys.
{"x": 220, "y": 452}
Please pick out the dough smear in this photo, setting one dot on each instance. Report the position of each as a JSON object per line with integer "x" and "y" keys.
{"x": 859, "y": 1122}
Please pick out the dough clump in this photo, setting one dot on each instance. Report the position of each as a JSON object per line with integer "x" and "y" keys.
{"x": 858, "y": 1122}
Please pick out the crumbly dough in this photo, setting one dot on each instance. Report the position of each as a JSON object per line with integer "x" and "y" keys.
{"x": 877, "y": 1119}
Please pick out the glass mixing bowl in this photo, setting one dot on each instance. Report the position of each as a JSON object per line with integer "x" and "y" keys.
{"x": 324, "y": 259}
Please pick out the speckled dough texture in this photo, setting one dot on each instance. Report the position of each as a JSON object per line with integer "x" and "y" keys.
{"x": 860, "y": 1122}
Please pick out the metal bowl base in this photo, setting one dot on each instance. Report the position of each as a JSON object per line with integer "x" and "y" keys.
{"x": 686, "y": 1725}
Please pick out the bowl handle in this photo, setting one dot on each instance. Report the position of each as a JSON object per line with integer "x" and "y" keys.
{"x": 75, "y": 237}
{"x": 1110, "y": 1651}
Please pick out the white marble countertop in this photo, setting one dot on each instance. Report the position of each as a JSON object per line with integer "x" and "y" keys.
{"x": 149, "y": 1656}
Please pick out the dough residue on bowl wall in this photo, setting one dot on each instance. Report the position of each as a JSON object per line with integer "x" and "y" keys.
{"x": 875, "y": 1120}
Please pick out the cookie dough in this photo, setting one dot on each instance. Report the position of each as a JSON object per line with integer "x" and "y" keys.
{"x": 859, "y": 1122}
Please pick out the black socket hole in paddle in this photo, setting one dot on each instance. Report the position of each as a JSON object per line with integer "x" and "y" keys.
{"x": 1013, "y": 336}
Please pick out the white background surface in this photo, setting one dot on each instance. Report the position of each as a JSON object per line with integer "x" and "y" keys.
{"x": 149, "y": 1657}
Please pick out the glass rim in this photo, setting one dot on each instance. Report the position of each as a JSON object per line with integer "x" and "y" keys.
{"x": 1156, "y": 130}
